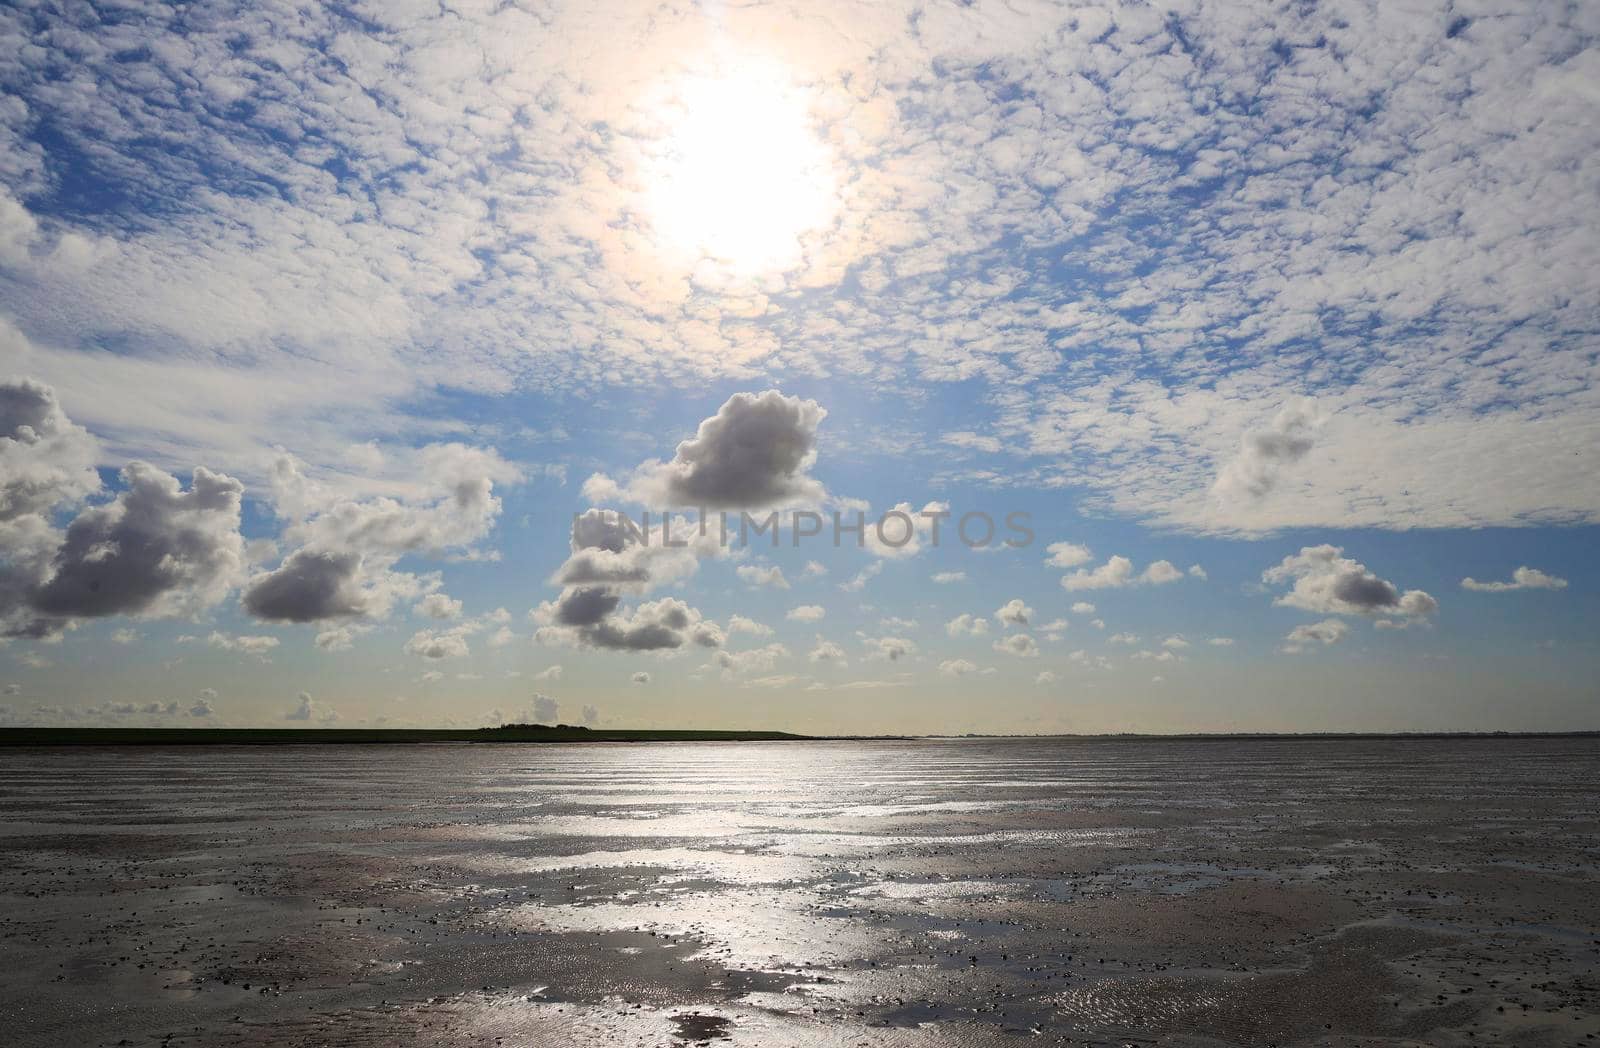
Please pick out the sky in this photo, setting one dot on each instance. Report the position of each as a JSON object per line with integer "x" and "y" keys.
{"x": 1193, "y": 367}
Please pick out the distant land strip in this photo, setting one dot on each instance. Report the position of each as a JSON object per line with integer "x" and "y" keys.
{"x": 335, "y": 736}
{"x": 543, "y": 733}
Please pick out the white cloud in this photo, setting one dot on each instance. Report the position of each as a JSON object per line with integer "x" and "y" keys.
{"x": 439, "y": 606}
{"x": 965, "y": 624}
{"x": 740, "y": 624}
{"x": 806, "y": 613}
{"x": 1067, "y": 555}
{"x": 1046, "y": 677}
{"x": 1325, "y": 581}
{"x": 867, "y": 574}
{"x": 768, "y": 576}
{"x": 1521, "y": 579}
{"x": 944, "y": 578}
{"x": 440, "y": 644}
{"x": 641, "y": 677}
{"x": 753, "y": 660}
{"x": 249, "y": 645}
{"x": 957, "y": 667}
{"x": 1326, "y": 632}
{"x": 826, "y": 651}
{"x": 891, "y": 648}
{"x": 1117, "y": 572}
{"x": 1019, "y": 644}
{"x": 1013, "y": 613}
{"x": 901, "y": 531}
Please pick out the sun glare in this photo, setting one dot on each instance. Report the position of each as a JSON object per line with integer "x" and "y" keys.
{"x": 740, "y": 177}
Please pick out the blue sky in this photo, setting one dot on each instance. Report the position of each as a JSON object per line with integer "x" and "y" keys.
{"x": 1277, "y": 326}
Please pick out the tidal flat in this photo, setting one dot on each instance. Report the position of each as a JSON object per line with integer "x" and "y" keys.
{"x": 902, "y": 893}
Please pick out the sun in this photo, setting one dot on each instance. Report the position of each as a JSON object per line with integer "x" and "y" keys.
{"x": 740, "y": 177}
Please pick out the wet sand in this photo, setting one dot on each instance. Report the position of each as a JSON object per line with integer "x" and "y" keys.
{"x": 1266, "y": 892}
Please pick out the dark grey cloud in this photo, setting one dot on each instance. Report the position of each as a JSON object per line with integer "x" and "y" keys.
{"x": 155, "y": 549}
{"x": 308, "y": 586}
{"x": 585, "y": 606}
{"x": 611, "y": 556}
{"x": 753, "y": 453}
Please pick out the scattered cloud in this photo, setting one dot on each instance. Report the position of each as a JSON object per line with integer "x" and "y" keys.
{"x": 1326, "y": 632}
{"x": 1325, "y": 581}
{"x": 1018, "y": 644}
{"x": 1523, "y": 578}
{"x": 1013, "y": 613}
{"x": 766, "y": 577}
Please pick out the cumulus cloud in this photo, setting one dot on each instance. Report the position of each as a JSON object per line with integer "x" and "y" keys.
{"x": 1266, "y": 452}
{"x": 1013, "y": 613}
{"x": 864, "y": 576}
{"x": 154, "y": 550}
{"x": 47, "y": 464}
{"x": 1326, "y": 632}
{"x": 901, "y": 531}
{"x": 1082, "y": 607}
{"x": 307, "y": 709}
{"x": 1523, "y": 578}
{"x": 1325, "y": 581}
{"x": 440, "y": 644}
{"x": 347, "y": 547}
{"x": 641, "y": 677}
{"x": 891, "y": 648}
{"x": 1117, "y": 572}
{"x": 740, "y": 624}
{"x": 250, "y": 645}
{"x": 1046, "y": 677}
{"x": 545, "y": 710}
{"x": 1067, "y": 555}
{"x": 967, "y": 625}
{"x": 1018, "y": 644}
{"x": 594, "y": 620}
{"x": 944, "y": 578}
{"x": 591, "y": 715}
{"x": 806, "y": 613}
{"x": 765, "y": 576}
{"x": 753, "y": 660}
{"x": 957, "y": 667}
{"x": 754, "y": 453}
{"x": 826, "y": 651}
{"x": 611, "y": 556}
{"x": 337, "y": 638}
{"x": 439, "y": 606}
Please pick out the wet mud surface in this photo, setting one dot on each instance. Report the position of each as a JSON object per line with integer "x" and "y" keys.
{"x": 1088, "y": 892}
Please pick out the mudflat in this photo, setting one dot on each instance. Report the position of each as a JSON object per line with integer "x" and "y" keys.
{"x": 972, "y": 892}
